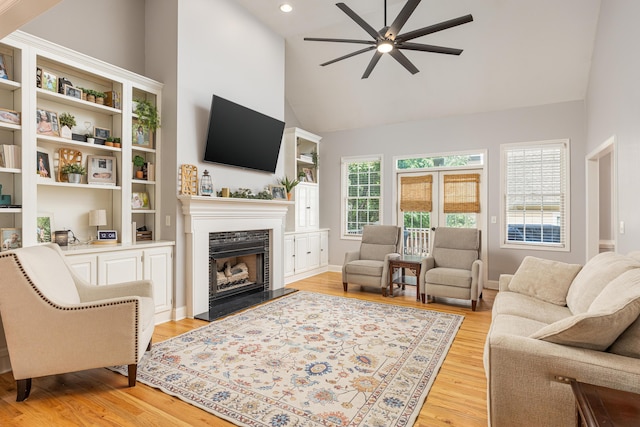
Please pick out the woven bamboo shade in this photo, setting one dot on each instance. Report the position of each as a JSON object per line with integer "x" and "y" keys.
{"x": 462, "y": 193}
{"x": 415, "y": 193}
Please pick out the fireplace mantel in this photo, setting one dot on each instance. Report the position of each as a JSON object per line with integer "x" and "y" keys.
{"x": 204, "y": 215}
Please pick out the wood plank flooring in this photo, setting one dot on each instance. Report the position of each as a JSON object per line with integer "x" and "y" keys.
{"x": 99, "y": 397}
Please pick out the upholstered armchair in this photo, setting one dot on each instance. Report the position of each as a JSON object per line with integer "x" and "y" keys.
{"x": 369, "y": 266}
{"x": 54, "y": 322}
{"x": 453, "y": 269}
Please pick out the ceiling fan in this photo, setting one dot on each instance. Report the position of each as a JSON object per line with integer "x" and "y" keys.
{"x": 388, "y": 40}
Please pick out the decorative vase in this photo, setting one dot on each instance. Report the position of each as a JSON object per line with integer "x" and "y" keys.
{"x": 139, "y": 174}
{"x": 74, "y": 178}
{"x": 65, "y": 132}
{"x": 100, "y": 101}
{"x": 289, "y": 196}
{"x": 91, "y": 98}
{"x": 91, "y": 140}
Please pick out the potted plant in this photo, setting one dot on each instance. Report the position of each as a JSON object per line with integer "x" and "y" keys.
{"x": 74, "y": 172}
{"x": 109, "y": 142}
{"x": 147, "y": 115}
{"x": 116, "y": 142}
{"x": 138, "y": 161}
{"x": 288, "y": 185}
{"x": 100, "y": 96}
{"x": 90, "y": 138}
{"x": 91, "y": 95}
{"x": 67, "y": 121}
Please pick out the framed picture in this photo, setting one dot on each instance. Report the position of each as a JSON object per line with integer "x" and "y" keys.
{"x": 44, "y": 227}
{"x": 5, "y": 67}
{"x": 43, "y": 163}
{"x": 9, "y": 116}
{"x": 73, "y": 92}
{"x": 47, "y": 123}
{"x": 140, "y": 200}
{"x": 101, "y": 170}
{"x": 141, "y": 136}
{"x": 308, "y": 175}
{"x": 278, "y": 192}
{"x": 11, "y": 238}
{"x": 101, "y": 133}
{"x": 49, "y": 81}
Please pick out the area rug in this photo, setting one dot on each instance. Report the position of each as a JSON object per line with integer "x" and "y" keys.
{"x": 305, "y": 360}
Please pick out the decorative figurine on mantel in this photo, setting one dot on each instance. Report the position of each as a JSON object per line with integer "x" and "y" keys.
{"x": 206, "y": 184}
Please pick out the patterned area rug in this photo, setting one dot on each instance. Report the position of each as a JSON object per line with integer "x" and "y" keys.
{"x": 307, "y": 360}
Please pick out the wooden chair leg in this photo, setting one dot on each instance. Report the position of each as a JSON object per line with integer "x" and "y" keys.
{"x": 473, "y": 305}
{"x": 344, "y": 285}
{"x": 24, "y": 388}
{"x": 133, "y": 371}
{"x": 149, "y": 346}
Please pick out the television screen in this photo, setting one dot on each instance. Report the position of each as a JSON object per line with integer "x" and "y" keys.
{"x": 239, "y": 136}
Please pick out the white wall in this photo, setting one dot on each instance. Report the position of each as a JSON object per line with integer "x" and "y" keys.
{"x": 472, "y": 132}
{"x": 613, "y": 106}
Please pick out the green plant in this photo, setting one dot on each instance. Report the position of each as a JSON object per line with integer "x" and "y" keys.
{"x": 138, "y": 161}
{"x": 99, "y": 94}
{"x": 147, "y": 115}
{"x": 111, "y": 139}
{"x": 288, "y": 184}
{"x": 116, "y": 140}
{"x": 67, "y": 119}
{"x": 314, "y": 158}
{"x": 74, "y": 168}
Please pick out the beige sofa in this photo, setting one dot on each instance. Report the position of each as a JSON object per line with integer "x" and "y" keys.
{"x": 553, "y": 322}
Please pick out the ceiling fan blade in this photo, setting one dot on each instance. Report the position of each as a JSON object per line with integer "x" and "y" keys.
{"x": 401, "y": 19}
{"x": 429, "y": 48}
{"x": 317, "y": 39}
{"x": 366, "y": 49}
{"x": 434, "y": 28}
{"x": 374, "y": 60}
{"x": 399, "y": 56}
{"x": 368, "y": 28}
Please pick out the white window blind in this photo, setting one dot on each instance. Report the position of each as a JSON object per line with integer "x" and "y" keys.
{"x": 536, "y": 194}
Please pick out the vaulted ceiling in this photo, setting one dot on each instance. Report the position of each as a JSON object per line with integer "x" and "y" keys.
{"x": 516, "y": 53}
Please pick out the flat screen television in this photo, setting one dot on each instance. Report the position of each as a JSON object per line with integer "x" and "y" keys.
{"x": 239, "y": 136}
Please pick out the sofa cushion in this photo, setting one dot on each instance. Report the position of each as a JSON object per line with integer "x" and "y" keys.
{"x": 449, "y": 277}
{"x": 628, "y": 344}
{"x": 594, "y": 276}
{"x": 529, "y": 307}
{"x": 365, "y": 267}
{"x": 544, "y": 279}
{"x": 611, "y": 312}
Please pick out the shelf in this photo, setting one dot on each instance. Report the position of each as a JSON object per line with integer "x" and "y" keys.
{"x": 9, "y": 85}
{"x": 72, "y": 143}
{"x": 10, "y": 126}
{"x": 143, "y": 149}
{"x": 143, "y": 211}
{"x": 10, "y": 210}
{"x": 305, "y": 162}
{"x": 75, "y": 102}
{"x": 10, "y": 170}
{"x": 143, "y": 181}
{"x": 52, "y": 183}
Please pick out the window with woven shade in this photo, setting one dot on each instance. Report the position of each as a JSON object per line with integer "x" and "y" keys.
{"x": 416, "y": 193}
{"x": 461, "y": 193}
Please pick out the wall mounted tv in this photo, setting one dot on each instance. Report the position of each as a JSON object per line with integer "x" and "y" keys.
{"x": 239, "y": 136}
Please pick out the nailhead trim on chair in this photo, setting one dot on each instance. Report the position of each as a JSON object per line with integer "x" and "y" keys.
{"x": 58, "y": 307}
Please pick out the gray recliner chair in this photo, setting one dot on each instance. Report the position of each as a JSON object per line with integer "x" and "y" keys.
{"x": 370, "y": 265}
{"x": 453, "y": 269}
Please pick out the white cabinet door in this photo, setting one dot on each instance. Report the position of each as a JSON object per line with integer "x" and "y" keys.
{"x": 307, "y": 207}
{"x": 301, "y": 247}
{"x": 324, "y": 248}
{"x": 118, "y": 267}
{"x": 289, "y": 255}
{"x": 85, "y": 266}
{"x": 158, "y": 267}
{"x": 313, "y": 251}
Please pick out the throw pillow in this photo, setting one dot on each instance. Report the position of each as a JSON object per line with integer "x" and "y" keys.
{"x": 617, "y": 307}
{"x": 544, "y": 279}
{"x": 594, "y": 276}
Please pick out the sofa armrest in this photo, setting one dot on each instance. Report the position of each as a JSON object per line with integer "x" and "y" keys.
{"x": 503, "y": 282}
{"x": 477, "y": 279}
{"x": 526, "y": 379}
{"x": 137, "y": 288}
{"x": 348, "y": 257}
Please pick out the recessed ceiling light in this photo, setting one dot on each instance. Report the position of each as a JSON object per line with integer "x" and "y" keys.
{"x": 286, "y": 7}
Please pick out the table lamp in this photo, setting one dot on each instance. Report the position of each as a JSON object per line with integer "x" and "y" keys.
{"x": 97, "y": 218}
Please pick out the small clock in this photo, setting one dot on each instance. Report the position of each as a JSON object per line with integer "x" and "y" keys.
{"x": 107, "y": 236}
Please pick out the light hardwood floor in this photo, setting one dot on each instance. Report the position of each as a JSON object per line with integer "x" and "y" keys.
{"x": 99, "y": 397}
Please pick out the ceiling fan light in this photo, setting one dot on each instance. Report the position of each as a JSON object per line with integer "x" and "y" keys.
{"x": 384, "y": 47}
{"x": 286, "y": 7}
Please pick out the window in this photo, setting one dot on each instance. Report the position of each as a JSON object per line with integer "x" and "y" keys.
{"x": 362, "y": 187}
{"x": 535, "y": 189}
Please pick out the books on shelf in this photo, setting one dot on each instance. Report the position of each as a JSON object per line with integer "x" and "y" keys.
{"x": 10, "y": 156}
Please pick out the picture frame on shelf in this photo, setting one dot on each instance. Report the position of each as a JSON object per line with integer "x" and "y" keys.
{"x": 47, "y": 123}
{"x": 140, "y": 200}
{"x": 49, "y": 81}
{"x": 73, "y": 92}
{"x": 278, "y": 192}
{"x": 11, "y": 238}
{"x": 44, "y": 163}
{"x": 9, "y": 116}
{"x": 5, "y": 67}
{"x": 101, "y": 170}
{"x": 44, "y": 227}
{"x": 101, "y": 133}
{"x": 308, "y": 175}
{"x": 141, "y": 136}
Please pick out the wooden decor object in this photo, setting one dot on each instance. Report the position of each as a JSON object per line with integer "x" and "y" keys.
{"x": 189, "y": 180}
{"x": 67, "y": 156}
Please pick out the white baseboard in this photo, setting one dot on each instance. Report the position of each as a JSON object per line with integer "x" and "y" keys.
{"x": 492, "y": 284}
{"x": 304, "y": 275}
{"x": 179, "y": 313}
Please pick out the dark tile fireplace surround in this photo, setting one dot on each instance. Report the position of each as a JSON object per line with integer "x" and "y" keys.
{"x": 238, "y": 272}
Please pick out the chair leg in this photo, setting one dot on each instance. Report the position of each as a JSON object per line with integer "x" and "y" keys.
{"x": 344, "y": 285}
{"x": 473, "y": 305}
{"x": 480, "y": 296}
{"x": 24, "y": 388}
{"x": 149, "y": 346}
{"x": 133, "y": 371}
